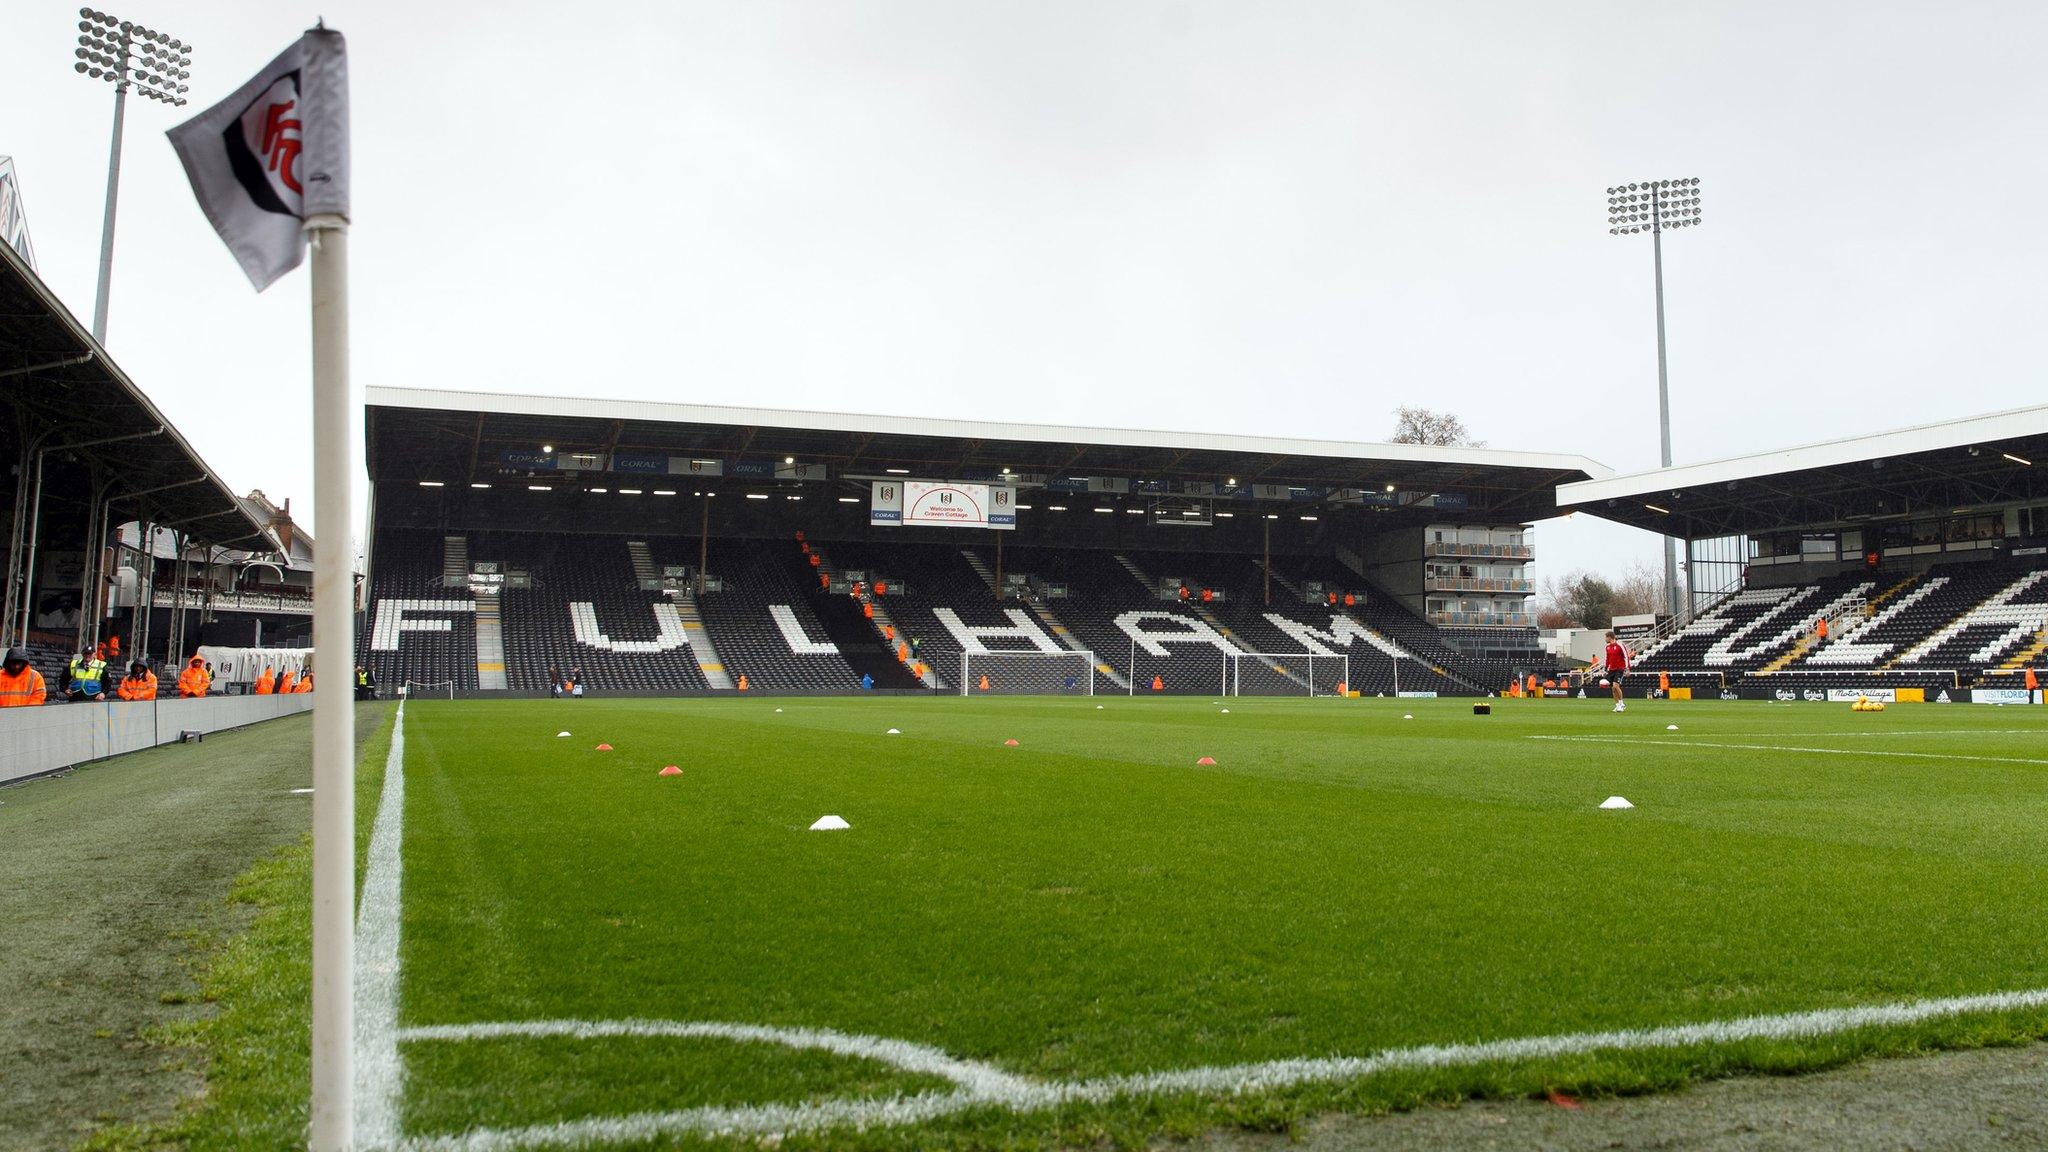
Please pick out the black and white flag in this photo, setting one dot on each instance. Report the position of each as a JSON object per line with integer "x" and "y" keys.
{"x": 273, "y": 154}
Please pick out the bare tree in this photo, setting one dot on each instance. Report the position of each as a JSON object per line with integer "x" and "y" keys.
{"x": 1639, "y": 592}
{"x": 1422, "y": 426}
{"x": 1579, "y": 599}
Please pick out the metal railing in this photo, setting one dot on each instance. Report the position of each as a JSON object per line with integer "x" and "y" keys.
{"x": 1475, "y": 584}
{"x": 1670, "y": 626}
{"x": 232, "y": 601}
{"x": 1491, "y": 551}
{"x": 1483, "y": 619}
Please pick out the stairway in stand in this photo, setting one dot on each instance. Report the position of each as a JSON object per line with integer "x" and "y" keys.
{"x": 1210, "y": 618}
{"x": 708, "y": 661}
{"x": 2028, "y": 654}
{"x": 490, "y": 642}
{"x": 643, "y": 564}
{"x": 1799, "y": 648}
{"x": 455, "y": 561}
{"x": 980, "y": 567}
{"x": 1066, "y": 638}
{"x": 863, "y": 639}
{"x": 1290, "y": 586}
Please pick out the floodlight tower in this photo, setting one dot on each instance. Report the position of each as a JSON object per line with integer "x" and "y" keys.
{"x": 126, "y": 55}
{"x": 1652, "y": 206}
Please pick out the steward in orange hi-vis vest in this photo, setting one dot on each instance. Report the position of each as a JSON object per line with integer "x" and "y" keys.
{"x": 21, "y": 686}
{"x": 140, "y": 683}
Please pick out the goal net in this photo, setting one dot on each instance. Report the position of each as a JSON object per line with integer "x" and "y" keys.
{"x": 1027, "y": 673}
{"x": 1288, "y": 674}
{"x": 431, "y": 689}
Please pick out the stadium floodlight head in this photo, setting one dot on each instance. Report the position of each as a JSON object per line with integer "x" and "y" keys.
{"x": 128, "y": 56}
{"x": 1654, "y": 206}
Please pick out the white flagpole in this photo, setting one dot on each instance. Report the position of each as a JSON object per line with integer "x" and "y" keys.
{"x": 334, "y": 795}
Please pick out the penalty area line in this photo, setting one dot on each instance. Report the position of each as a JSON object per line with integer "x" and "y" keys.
{"x": 1640, "y": 741}
{"x": 1016, "y": 1094}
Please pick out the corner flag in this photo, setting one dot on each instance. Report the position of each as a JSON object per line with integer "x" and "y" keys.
{"x": 270, "y": 167}
{"x": 273, "y": 154}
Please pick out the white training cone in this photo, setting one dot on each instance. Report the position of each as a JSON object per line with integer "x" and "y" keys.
{"x": 1615, "y": 802}
{"x": 1409, "y": 716}
{"x": 778, "y": 709}
{"x": 559, "y": 735}
{"x": 1226, "y": 711}
{"x": 1671, "y": 727}
{"x": 1098, "y": 707}
{"x": 893, "y": 732}
{"x": 829, "y": 824}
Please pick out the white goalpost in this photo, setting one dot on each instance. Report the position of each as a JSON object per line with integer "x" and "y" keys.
{"x": 1288, "y": 674}
{"x": 1027, "y": 673}
{"x": 431, "y": 689}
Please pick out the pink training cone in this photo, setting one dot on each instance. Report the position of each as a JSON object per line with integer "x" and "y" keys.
{"x": 671, "y": 770}
{"x": 1206, "y": 762}
{"x": 1009, "y": 743}
{"x": 604, "y": 747}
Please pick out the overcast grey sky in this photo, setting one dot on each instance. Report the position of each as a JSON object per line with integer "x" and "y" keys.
{"x": 1281, "y": 218}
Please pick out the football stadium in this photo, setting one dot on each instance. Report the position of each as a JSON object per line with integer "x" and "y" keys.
{"x": 735, "y": 776}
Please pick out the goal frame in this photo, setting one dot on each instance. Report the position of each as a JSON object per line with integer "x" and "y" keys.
{"x": 1236, "y": 681}
{"x": 433, "y": 687}
{"x": 1086, "y": 656}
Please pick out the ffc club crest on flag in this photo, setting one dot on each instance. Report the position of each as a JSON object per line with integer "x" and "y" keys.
{"x": 273, "y": 154}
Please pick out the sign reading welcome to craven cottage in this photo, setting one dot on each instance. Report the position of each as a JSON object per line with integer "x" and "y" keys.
{"x": 943, "y": 503}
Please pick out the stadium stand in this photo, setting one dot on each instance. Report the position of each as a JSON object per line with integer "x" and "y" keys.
{"x": 580, "y": 526}
{"x": 1106, "y": 593}
{"x": 1942, "y": 626}
{"x": 924, "y": 582}
{"x": 590, "y": 602}
{"x": 1461, "y": 672}
{"x": 576, "y": 602}
{"x": 760, "y": 619}
{"x": 418, "y": 628}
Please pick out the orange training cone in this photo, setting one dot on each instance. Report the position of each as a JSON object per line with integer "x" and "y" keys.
{"x": 671, "y": 770}
{"x": 1206, "y": 762}
{"x": 604, "y": 747}
{"x": 1009, "y": 743}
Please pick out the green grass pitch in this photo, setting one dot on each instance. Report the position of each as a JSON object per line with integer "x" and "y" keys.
{"x": 1091, "y": 904}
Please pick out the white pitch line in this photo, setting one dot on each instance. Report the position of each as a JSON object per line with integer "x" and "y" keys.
{"x": 1887, "y": 733}
{"x": 1635, "y": 741}
{"x": 982, "y": 1079}
{"x": 379, "y": 1072}
{"x": 1015, "y": 1094}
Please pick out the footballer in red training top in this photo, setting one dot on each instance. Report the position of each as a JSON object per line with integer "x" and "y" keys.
{"x": 1616, "y": 668}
